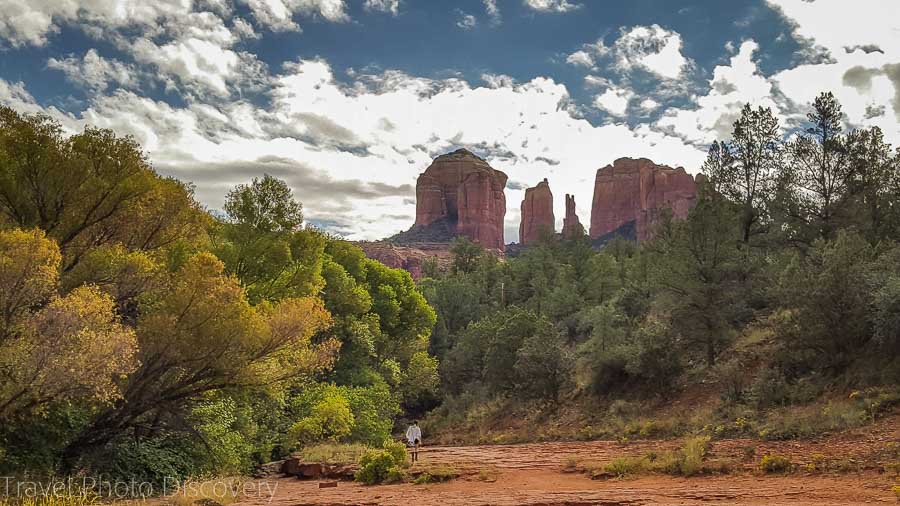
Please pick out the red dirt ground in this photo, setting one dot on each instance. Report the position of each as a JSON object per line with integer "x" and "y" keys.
{"x": 532, "y": 474}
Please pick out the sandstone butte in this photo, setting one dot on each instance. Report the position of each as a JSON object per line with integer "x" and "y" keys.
{"x": 631, "y": 195}
{"x": 572, "y": 227}
{"x": 461, "y": 193}
{"x": 537, "y": 214}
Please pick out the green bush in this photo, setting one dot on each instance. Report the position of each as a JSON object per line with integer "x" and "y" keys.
{"x": 384, "y": 465}
{"x": 627, "y": 466}
{"x": 774, "y": 463}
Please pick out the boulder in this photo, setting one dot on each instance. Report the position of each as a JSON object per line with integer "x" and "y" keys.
{"x": 572, "y": 226}
{"x": 269, "y": 469}
{"x": 632, "y": 194}
{"x": 461, "y": 192}
{"x": 537, "y": 214}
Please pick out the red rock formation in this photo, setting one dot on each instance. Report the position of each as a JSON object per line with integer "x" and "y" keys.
{"x": 409, "y": 258}
{"x": 537, "y": 214}
{"x": 463, "y": 191}
{"x": 636, "y": 191}
{"x": 572, "y": 226}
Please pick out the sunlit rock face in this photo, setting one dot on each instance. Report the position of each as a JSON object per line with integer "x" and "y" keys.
{"x": 631, "y": 195}
{"x": 537, "y": 214}
{"x": 459, "y": 194}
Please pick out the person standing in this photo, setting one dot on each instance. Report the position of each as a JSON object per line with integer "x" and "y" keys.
{"x": 413, "y": 440}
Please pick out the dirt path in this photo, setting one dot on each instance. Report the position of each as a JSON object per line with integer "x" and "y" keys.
{"x": 532, "y": 474}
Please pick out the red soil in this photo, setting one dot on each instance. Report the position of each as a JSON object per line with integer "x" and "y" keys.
{"x": 533, "y": 474}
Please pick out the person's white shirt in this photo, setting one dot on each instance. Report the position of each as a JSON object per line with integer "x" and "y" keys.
{"x": 413, "y": 433}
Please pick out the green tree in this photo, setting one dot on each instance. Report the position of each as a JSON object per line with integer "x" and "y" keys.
{"x": 744, "y": 169}
{"x": 697, "y": 268}
{"x": 819, "y": 170}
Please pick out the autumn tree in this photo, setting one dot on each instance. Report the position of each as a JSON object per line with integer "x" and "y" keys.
{"x": 54, "y": 348}
{"x": 89, "y": 189}
{"x": 200, "y": 334}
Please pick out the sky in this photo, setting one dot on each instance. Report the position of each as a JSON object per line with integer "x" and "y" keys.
{"x": 349, "y": 100}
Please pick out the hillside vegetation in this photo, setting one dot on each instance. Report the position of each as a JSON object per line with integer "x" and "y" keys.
{"x": 143, "y": 337}
{"x": 772, "y": 311}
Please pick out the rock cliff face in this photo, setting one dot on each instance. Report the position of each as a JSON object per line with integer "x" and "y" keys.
{"x": 631, "y": 194}
{"x": 537, "y": 214}
{"x": 572, "y": 226}
{"x": 461, "y": 193}
{"x": 409, "y": 258}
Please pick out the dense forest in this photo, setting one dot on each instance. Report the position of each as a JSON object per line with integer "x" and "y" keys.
{"x": 779, "y": 296}
{"x": 143, "y": 336}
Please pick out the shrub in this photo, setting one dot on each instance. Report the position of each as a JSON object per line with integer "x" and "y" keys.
{"x": 385, "y": 465}
{"x": 693, "y": 453}
{"x": 627, "y": 466}
{"x": 774, "y": 463}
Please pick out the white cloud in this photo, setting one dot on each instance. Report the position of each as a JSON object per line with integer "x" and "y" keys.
{"x": 552, "y": 5}
{"x": 466, "y": 21}
{"x": 492, "y": 11}
{"x": 94, "y": 72}
{"x": 498, "y": 80}
{"x": 862, "y": 40}
{"x": 648, "y": 104}
{"x": 652, "y": 48}
{"x": 838, "y": 25}
{"x": 243, "y": 29}
{"x": 278, "y": 15}
{"x": 390, "y": 6}
{"x": 614, "y": 101}
{"x": 730, "y": 88}
{"x": 24, "y": 22}
{"x": 580, "y": 58}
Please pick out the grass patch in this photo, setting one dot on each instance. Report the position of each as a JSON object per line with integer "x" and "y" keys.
{"x": 50, "y": 500}
{"x": 488, "y": 474}
{"x": 437, "y": 474}
{"x": 334, "y": 453}
{"x": 217, "y": 492}
{"x": 622, "y": 467}
{"x": 774, "y": 463}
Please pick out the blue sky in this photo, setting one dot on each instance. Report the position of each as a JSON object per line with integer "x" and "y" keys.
{"x": 348, "y": 100}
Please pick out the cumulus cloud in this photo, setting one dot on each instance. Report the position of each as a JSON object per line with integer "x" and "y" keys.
{"x": 278, "y": 15}
{"x": 29, "y": 22}
{"x": 862, "y": 43}
{"x": 651, "y": 48}
{"x": 551, "y": 5}
{"x": 730, "y": 88}
{"x": 95, "y": 73}
{"x": 614, "y": 101}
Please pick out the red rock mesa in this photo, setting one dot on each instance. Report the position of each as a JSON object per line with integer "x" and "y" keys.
{"x": 631, "y": 194}
{"x": 459, "y": 194}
